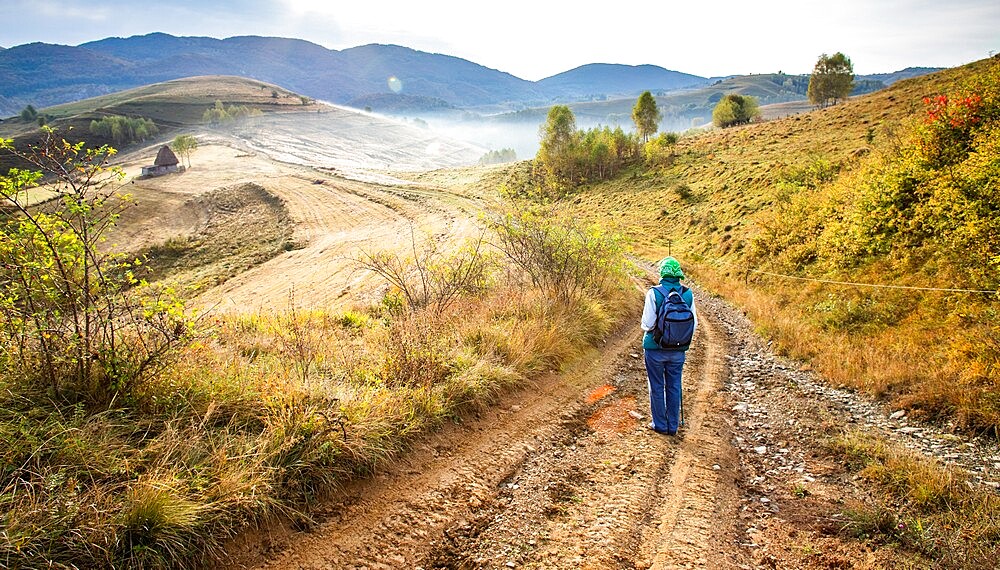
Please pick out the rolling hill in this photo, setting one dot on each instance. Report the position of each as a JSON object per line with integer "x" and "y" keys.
{"x": 683, "y": 108}
{"x": 172, "y": 105}
{"x": 44, "y": 75}
{"x": 804, "y": 196}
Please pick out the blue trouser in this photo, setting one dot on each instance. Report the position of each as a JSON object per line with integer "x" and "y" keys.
{"x": 663, "y": 367}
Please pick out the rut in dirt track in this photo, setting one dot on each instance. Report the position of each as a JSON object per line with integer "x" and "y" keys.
{"x": 564, "y": 476}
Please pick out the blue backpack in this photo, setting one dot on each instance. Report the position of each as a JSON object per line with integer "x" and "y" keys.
{"x": 674, "y": 320}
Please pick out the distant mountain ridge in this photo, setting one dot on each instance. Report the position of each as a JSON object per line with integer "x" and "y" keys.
{"x": 48, "y": 74}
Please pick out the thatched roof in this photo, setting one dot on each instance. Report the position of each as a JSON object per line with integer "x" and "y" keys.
{"x": 166, "y": 157}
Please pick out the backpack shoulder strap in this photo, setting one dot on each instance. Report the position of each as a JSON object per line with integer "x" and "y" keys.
{"x": 685, "y": 291}
{"x": 659, "y": 296}
{"x": 660, "y": 291}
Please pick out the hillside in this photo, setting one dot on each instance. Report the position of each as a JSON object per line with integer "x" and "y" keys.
{"x": 171, "y": 105}
{"x": 787, "y": 196}
{"x": 890, "y": 78}
{"x": 297, "y": 364}
{"x": 683, "y": 108}
{"x": 183, "y": 101}
{"x": 43, "y": 75}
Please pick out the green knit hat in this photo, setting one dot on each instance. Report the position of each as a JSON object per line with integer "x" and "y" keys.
{"x": 670, "y": 268}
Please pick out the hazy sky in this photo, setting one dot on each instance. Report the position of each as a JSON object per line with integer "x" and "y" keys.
{"x": 533, "y": 39}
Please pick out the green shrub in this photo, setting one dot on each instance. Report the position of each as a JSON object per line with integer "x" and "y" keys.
{"x": 735, "y": 109}
{"x": 221, "y": 113}
{"x": 659, "y": 151}
{"x": 559, "y": 254}
{"x": 73, "y": 315}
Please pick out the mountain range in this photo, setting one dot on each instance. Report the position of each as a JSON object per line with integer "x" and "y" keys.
{"x": 46, "y": 74}
{"x": 42, "y": 74}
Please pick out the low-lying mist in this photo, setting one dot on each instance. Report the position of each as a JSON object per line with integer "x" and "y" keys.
{"x": 356, "y": 142}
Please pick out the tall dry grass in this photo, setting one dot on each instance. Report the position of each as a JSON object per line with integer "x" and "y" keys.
{"x": 266, "y": 415}
{"x": 920, "y": 361}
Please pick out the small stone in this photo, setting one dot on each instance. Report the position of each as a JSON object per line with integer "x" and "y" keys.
{"x": 765, "y": 500}
{"x": 635, "y": 414}
{"x": 716, "y": 467}
{"x": 634, "y": 355}
{"x": 897, "y": 414}
{"x": 909, "y": 430}
{"x": 510, "y": 564}
{"x": 761, "y": 450}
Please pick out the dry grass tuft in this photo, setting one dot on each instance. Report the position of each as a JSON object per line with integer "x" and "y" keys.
{"x": 920, "y": 505}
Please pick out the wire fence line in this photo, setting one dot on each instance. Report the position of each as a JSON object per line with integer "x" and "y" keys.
{"x": 876, "y": 285}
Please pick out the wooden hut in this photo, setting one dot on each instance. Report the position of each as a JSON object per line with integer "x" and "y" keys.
{"x": 165, "y": 163}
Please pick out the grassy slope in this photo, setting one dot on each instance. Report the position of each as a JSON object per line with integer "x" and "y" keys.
{"x": 723, "y": 184}
{"x": 265, "y": 412}
{"x": 732, "y": 173}
{"x": 936, "y": 353}
{"x": 676, "y": 105}
{"x": 172, "y": 105}
{"x": 183, "y": 100}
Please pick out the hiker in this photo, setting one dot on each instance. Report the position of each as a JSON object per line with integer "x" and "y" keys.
{"x": 664, "y": 365}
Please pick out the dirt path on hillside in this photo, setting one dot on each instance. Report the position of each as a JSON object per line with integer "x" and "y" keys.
{"x": 563, "y": 475}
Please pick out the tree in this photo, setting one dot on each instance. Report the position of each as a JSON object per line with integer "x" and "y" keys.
{"x": 184, "y": 145}
{"x": 558, "y": 141}
{"x": 29, "y": 114}
{"x": 73, "y": 316}
{"x": 646, "y": 116}
{"x": 735, "y": 109}
{"x": 832, "y": 80}
{"x": 659, "y": 151}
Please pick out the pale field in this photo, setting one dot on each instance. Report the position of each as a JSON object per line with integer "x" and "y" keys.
{"x": 329, "y": 170}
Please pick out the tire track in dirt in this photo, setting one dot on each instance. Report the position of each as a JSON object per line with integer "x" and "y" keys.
{"x": 393, "y": 520}
{"x": 700, "y": 492}
{"x": 564, "y": 476}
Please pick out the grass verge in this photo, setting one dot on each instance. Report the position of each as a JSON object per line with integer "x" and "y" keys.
{"x": 919, "y": 505}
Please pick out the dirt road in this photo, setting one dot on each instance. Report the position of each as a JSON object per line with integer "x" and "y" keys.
{"x": 564, "y": 475}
